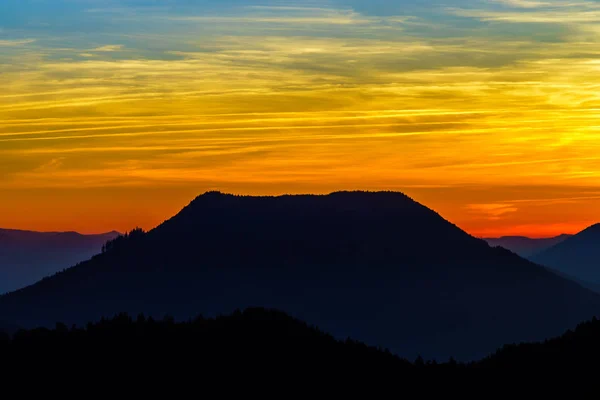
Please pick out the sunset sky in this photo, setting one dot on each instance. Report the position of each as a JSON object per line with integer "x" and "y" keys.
{"x": 116, "y": 113}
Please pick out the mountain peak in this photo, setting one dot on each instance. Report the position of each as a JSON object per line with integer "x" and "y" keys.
{"x": 350, "y": 193}
{"x": 578, "y": 256}
{"x": 336, "y": 201}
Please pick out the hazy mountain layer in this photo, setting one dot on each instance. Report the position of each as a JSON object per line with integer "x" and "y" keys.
{"x": 524, "y": 246}
{"x": 578, "y": 256}
{"x": 26, "y": 257}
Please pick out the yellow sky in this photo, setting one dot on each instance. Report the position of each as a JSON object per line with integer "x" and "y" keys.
{"x": 497, "y": 131}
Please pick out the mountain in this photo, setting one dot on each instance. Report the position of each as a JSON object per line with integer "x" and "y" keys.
{"x": 7, "y": 328}
{"x": 254, "y": 351}
{"x": 524, "y": 246}
{"x": 26, "y": 257}
{"x": 277, "y": 352}
{"x": 232, "y": 343}
{"x": 595, "y": 287}
{"x": 578, "y": 256}
{"x": 377, "y": 267}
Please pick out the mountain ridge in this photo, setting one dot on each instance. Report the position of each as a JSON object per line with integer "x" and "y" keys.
{"x": 375, "y": 266}
{"x": 578, "y": 256}
{"x": 14, "y": 230}
{"x": 525, "y": 246}
{"x": 28, "y": 256}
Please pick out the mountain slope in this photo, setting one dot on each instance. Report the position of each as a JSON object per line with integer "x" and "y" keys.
{"x": 524, "y": 246}
{"x": 26, "y": 256}
{"x": 594, "y": 287}
{"x": 6, "y": 328}
{"x": 579, "y": 256}
{"x": 577, "y": 349}
{"x": 377, "y": 267}
{"x": 231, "y": 343}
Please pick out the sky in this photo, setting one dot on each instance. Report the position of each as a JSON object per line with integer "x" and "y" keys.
{"x": 116, "y": 113}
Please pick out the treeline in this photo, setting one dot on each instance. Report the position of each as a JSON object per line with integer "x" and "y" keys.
{"x": 243, "y": 338}
{"x": 120, "y": 241}
{"x": 255, "y": 341}
{"x": 269, "y": 343}
{"x": 576, "y": 350}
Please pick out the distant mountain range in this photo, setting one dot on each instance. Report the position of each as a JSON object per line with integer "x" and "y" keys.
{"x": 578, "y": 256}
{"x": 26, "y": 256}
{"x": 574, "y": 257}
{"x": 524, "y": 246}
{"x": 377, "y": 267}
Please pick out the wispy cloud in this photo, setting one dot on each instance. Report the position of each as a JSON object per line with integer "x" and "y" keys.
{"x": 546, "y": 12}
{"x": 339, "y": 19}
{"x": 523, "y": 3}
{"x": 312, "y": 98}
{"x": 546, "y": 17}
{"x": 493, "y": 211}
{"x": 290, "y": 15}
{"x": 16, "y": 42}
{"x": 109, "y": 48}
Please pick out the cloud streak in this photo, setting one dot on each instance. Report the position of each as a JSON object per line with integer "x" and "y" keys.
{"x": 109, "y": 48}
{"x": 15, "y": 42}
{"x": 278, "y": 98}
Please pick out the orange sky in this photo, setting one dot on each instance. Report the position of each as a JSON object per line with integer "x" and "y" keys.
{"x": 94, "y": 210}
{"x": 490, "y": 116}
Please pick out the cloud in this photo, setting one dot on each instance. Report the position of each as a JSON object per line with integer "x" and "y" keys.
{"x": 545, "y": 17}
{"x": 524, "y": 3}
{"x": 16, "y": 42}
{"x": 311, "y": 98}
{"x": 537, "y": 12}
{"x": 287, "y": 15}
{"x": 109, "y": 48}
{"x": 492, "y": 211}
{"x": 51, "y": 166}
{"x": 349, "y": 19}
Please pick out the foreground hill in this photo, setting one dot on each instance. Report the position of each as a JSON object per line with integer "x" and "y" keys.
{"x": 6, "y": 328}
{"x": 26, "y": 256}
{"x": 270, "y": 343}
{"x": 253, "y": 338}
{"x": 377, "y": 267}
{"x": 524, "y": 246}
{"x": 577, "y": 349}
{"x": 578, "y": 256}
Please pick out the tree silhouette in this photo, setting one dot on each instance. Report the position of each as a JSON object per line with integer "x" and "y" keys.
{"x": 121, "y": 241}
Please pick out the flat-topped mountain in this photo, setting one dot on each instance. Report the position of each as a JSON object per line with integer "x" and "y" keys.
{"x": 377, "y": 267}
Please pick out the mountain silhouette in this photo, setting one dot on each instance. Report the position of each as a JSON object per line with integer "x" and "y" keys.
{"x": 595, "y": 287}
{"x": 377, "y": 267}
{"x": 239, "y": 343}
{"x": 6, "y": 328}
{"x": 26, "y": 256}
{"x": 277, "y": 351}
{"x": 577, "y": 349}
{"x": 524, "y": 246}
{"x": 578, "y": 256}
